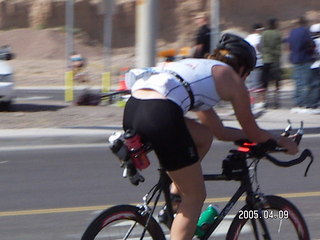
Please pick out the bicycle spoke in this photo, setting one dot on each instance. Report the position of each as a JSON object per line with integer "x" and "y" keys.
{"x": 129, "y": 231}
{"x": 279, "y": 228}
{"x": 123, "y": 230}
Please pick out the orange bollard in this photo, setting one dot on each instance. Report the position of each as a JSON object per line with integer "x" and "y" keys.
{"x": 122, "y": 86}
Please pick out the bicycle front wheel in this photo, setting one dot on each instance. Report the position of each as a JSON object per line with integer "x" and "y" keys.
{"x": 277, "y": 217}
{"x": 123, "y": 222}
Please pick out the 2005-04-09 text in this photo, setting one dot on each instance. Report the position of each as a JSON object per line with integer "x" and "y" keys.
{"x": 266, "y": 214}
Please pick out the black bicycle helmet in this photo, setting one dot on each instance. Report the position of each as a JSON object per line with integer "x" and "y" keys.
{"x": 240, "y": 48}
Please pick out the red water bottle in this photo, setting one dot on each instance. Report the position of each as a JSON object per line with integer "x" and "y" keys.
{"x": 137, "y": 152}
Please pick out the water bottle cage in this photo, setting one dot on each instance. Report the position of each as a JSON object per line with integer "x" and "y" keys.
{"x": 128, "y": 157}
{"x": 125, "y": 156}
{"x": 136, "y": 153}
{"x": 120, "y": 149}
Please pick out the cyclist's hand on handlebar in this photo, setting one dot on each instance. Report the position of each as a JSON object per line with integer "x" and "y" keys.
{"x": 288, "y": 144}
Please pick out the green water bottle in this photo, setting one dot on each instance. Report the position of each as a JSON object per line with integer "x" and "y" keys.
{"x": 206, "y": 218}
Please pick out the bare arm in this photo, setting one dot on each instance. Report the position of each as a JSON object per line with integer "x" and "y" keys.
{"x": 232, "y": 88}
{"x": 214, "y": 123}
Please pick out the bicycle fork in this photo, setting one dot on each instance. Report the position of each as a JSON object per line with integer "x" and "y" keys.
{"x": 256, "y": 201}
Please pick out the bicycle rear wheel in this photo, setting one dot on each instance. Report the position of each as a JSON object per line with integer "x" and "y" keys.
{"x": 283, "y": 221}
{"x": 123, "y": 222}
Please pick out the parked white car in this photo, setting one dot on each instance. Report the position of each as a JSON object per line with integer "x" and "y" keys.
{"x": 6, "y": 79}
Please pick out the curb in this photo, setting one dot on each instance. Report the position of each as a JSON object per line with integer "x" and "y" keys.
{"x": 54, "y": 136}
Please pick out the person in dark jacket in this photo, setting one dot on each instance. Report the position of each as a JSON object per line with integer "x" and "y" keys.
{"x": 202, "y": 39}
{"x": 302, "y": 50}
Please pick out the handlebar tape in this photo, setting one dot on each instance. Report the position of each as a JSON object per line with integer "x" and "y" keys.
{"x": 306, "y": 153}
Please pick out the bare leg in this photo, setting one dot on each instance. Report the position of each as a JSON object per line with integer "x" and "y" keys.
{"x": 190, "y": 184}
{"x": 202, "y": 138}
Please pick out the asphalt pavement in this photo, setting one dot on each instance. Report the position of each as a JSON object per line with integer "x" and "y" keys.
{"x": 271, "y": 119}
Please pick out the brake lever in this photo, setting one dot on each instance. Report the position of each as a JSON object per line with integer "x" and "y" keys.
{"x": 280, "y": 149}
{"x": 288, "y": 129}
{"x": 299, "y": 134}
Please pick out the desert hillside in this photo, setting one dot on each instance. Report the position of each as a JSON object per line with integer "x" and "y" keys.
{"x": 174, "y": 16}
{"x": 35, "y": 30}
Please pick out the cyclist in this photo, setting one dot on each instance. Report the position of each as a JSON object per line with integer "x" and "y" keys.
{"x": 163, "y": 95}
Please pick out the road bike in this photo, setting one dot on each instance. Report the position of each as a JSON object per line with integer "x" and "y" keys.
{"x": 262, "y": 217}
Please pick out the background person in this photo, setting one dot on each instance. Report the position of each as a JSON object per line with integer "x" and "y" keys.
{"x": 202, "y": 38}
{"x": 271, "y": 41}
{"x": 254, "y": 81}
{"x": 168, "y": 93}
{"x": 315, "y": 67}
{"x": 302, "y": 49}
{"x": 315, "y": 33}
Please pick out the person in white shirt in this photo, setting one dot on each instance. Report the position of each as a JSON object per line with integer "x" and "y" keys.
{"x": 315, "y": 31}
{"x": 254, "y": 80}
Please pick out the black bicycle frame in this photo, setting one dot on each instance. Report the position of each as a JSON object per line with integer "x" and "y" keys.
{"x": 245, "y": 187}
{"x": 240, "y": 191}
{"x": 163, "y": 185}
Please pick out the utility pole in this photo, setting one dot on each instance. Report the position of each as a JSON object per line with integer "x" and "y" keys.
{"x": 215, "y": 23}
{"x": 107, "y": 11}
{"x": 69, "y": 28}
{"x": 146, "y": 28}
{"x": 68, "y": 79}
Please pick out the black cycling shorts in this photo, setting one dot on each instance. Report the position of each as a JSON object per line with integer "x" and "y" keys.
{"x": 161, "y": 122}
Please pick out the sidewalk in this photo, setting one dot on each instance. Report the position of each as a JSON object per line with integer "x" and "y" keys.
{"x": 271, "y": 119}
